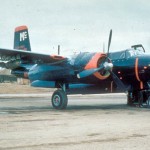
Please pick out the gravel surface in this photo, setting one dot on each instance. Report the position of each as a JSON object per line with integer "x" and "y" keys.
{"x": 89, "y": 122}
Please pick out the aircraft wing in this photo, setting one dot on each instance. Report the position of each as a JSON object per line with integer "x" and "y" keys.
{"x": 27, "y": 56}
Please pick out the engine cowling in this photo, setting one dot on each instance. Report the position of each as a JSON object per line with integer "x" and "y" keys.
{"x": 95, "y": 62}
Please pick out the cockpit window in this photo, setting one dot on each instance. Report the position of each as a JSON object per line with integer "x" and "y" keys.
{"x": 125, "y": 54}
{"x": 117, "y": 55}
{"x": 134, "y": 53}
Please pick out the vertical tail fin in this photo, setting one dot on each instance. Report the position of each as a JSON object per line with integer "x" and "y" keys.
{"x": 21, "y": 38}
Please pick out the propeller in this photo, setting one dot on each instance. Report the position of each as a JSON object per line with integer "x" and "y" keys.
{"x": 118, "y": 82}
{"x": 104, "y": 65}
{"x": 85, "y": 73}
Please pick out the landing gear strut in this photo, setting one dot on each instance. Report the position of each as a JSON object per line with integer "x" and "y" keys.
{"x": 138, "y": 98}
{"x": 59, "y": 98}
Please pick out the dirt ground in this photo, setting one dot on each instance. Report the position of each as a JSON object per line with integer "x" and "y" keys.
{"x": 15, "y": 88}
{"x": 92, "y": 122}
{"x": 88, "y": 123}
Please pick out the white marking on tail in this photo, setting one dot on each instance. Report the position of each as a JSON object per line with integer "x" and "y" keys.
{"x": 23, "y": 36}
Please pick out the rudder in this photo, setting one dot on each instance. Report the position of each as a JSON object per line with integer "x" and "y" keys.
{"x": 21, "y": 38}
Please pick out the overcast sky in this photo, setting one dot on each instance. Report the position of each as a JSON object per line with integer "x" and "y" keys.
{"x": 76, "y": 25}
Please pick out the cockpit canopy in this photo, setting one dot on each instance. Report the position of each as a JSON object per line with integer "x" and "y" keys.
{"x": 126, "y": 54}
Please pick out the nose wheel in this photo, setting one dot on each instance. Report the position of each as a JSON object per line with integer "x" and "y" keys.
{"x": 59, "y": 99}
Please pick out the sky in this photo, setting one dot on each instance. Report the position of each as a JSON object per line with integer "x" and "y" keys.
{"x": 76, "y": 25}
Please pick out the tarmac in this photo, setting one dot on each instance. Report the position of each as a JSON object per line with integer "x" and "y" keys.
{"x": 90, "y": 122}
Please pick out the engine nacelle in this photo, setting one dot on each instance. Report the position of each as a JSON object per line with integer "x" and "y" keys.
{"x": 95, "y": 62}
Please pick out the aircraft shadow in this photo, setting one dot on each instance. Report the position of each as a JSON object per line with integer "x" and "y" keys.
{"x": 98, "y": 107}
{"x": 31, "y": 109}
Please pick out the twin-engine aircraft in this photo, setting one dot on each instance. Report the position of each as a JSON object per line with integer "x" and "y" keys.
{"x": 84, "y": 73}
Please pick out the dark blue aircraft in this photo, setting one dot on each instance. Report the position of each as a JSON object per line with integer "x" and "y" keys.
{"x": 85, "y": 73}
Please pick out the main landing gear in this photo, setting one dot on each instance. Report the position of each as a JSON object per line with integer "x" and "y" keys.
{"x": 139, "y": 98}
{"x": 59, "y": 99}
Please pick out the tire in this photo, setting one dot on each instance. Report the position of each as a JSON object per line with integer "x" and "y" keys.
{"x": 59, "y": 100}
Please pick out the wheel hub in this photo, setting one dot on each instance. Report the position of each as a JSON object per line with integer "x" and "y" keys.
{"x": 56, "y": 100}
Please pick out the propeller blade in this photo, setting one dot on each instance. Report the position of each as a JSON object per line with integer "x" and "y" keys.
{"x": 88, "y": 72}
{"x": 118, "y": 82}
{"x": 109, "y": 42}
{"x": 85, "y": 73}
